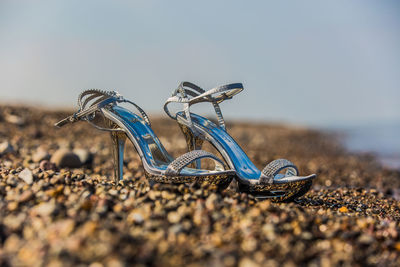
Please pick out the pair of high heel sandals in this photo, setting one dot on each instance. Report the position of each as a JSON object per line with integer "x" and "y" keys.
{"x": 279, "y": 180}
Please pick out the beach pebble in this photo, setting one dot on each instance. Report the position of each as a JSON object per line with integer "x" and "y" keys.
{"x": 174, "y": 217}
{"x": 40, "y": 155}
{"x": 14, "y": 222}
{"x": 44, "y": 209}
{"x": 46, "y": 165}
{"x": 246, "y": 262}
{"x": 26, "y": 196}
{"x": 14, "y": 119}
{"x": 366, "y": 239}
{"x": 64, "y": 158}
{"x": 136, "y": 218}
{"x": 344, "y": 209}
{"x": 85, "y": 156}
{"x": 26, "y": 175}
{"x": 6, "y": 147}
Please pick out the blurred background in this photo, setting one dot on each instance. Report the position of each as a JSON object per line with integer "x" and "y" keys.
{"x": 331, "y": 65}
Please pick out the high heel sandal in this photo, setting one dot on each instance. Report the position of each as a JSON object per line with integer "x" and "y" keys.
{"x": 159, "y": 166}
{"x": 279, "y": 180}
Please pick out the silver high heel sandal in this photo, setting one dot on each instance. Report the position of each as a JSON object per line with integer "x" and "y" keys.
{"x": 279, "y": 180}
{"x": 159, "y": 166}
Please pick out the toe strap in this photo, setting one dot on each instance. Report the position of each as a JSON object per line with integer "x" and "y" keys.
{"x": 274, "y": 167}
{"x": 175, "y": 167}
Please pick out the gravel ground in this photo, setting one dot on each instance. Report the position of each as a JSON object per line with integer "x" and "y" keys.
{"x": 62, "y": 216}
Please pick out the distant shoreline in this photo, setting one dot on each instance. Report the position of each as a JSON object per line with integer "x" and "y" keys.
{"x": 379, "y": 139}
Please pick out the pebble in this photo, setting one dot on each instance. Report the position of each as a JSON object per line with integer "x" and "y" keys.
{"x": 344, "y": 209}
{"x": 6, "y": 147}
{"x": 246, "y": 262}
{"x": 366, "y": 239}
{"x": 64, "y": 228}
{"x": 174, "y": 217}
{"x": 26, "y": 175}
{"x": 136, "y": 217}
{"x": 85, "y": 156}
{"x": 14, "y": 119}
{"x": 46, "y": 165}
{"x": 26, "y": 196}
{"x": 14, "y": 222}
{"x": 12, "y": 206}
{"x": 64, "y": 158}
{"x": 40, "y": 155}
{"x": 44, "y": 209}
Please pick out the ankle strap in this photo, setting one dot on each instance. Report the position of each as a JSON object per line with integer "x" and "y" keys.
{"x": 93, "y": 100}
{"x": 188, "y": 94}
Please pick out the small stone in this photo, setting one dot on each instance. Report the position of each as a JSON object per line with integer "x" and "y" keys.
{"x": 85, "y": 156}
{"x": 167, "y": 195}
{"x": 26, "y": 175}
{"x": 113, "y": 192}
{"x": 56, "y": 191}
{"x": 249, "y": 244}
{"x": 306, "y": 235}
{"x": 14, "y": 222}
{"x": 65, "y": 228}
{"x": 14, "y": 119}
{"x": 269, "y": 231}
{"x": 6, "y": 147}
{"x": 45, "y": 209}
{"x": 174, "y": 217}
{"x": 26, "y": 196}
{"x": 89, "y": 227}
{"x": 115, "y": 262}
{"x": 118, "y": 208}
{"x": 247, "y": 262}
{"x": 136, "y": 217}
{"x": 265, "y": 205}
{"x": 366, "y": 239}
{"x": 40, "y": 155}
{"x": 229, "y": 260}
{"x": 211, "y": 201}
{"x": 86, "y": 205}
{"x": 12, "y": 206}
{"x": 46, "y": 165}
{"x": 64, "y": 158}
{"x": 12, "y": 243}
{"x": 343, "y": 209}
{"x": 362, "y": 223}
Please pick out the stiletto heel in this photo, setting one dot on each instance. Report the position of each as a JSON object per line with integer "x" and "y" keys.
{"x": 158, "y": 164}
{"x": 193, "y": 142}
{"x": 279, "y": 179}
{"x": 118, "y": 143}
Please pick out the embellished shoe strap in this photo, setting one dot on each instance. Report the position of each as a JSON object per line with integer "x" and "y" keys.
{"x": 175, "y": 167}
{"x": 93, "y": 100}
{"x": 274, "y": 167}
{"x": 188, "y": 94}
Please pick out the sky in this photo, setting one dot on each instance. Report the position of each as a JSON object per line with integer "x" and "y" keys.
{"x": 304, "y": 62}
